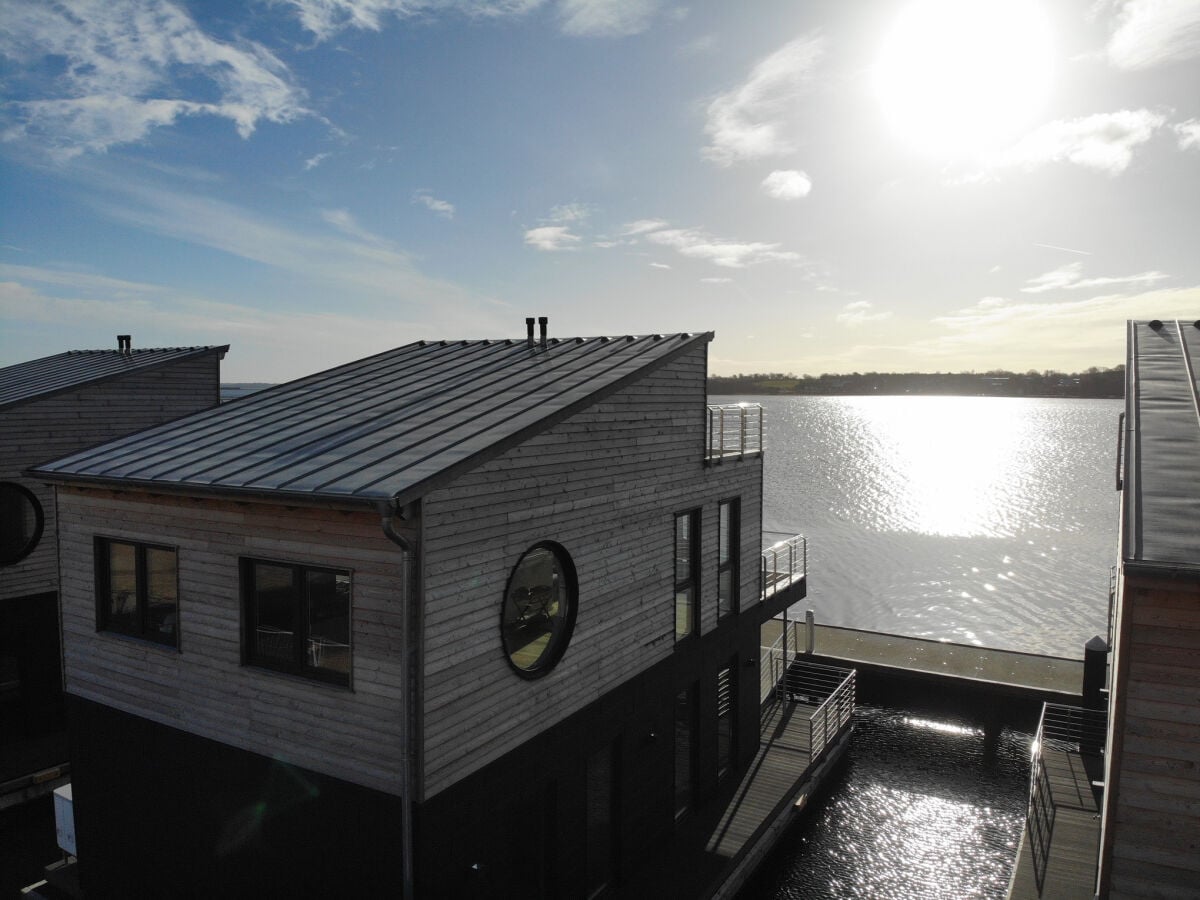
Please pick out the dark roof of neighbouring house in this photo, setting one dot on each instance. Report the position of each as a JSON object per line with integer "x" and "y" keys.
{"x": 389, "y": 427}
{"x": 41, "y": 378}
{"x": 1161, "y": 515}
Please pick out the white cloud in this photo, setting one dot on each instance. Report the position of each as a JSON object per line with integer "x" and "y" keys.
{"x": 1104, "y": 142}
{"x": 643, "y": 226}
{"x": 566, "y": 213}
{"x": 752, "y": 121}
{"x": 443, "y": 208}
{"x": 313, "y": 161}
{"x": 551, "y": 238}
{"x": 697, "y": 244}
{"x": 716, "y": 280}
{"x": 128, "y": 67}
{"x": 1070, "y": 277}
{"x": 1189, "y": 134}
{"x": 1153, "y": 32}
{"x": 607, "y": 18}
{"x": 658, "y": 265}
{"x": 859, "y": 313}
{"x": 787, "y": 184}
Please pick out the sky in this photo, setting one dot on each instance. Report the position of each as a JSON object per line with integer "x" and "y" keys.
{"x": 829, "y": 186}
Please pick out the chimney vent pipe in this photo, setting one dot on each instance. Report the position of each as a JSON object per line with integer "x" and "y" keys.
{"x": 123, "y": 343}
{"x": 529, "y": 329}
{"x": 543, "y": 321}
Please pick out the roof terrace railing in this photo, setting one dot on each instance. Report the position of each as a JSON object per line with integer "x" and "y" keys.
{"x": 783, "y": 564}
{"x": 734, "y": 431}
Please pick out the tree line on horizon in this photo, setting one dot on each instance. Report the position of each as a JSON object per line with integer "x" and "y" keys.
{"x": 1094, "y": 383}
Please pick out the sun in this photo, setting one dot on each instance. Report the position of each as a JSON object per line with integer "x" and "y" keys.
{"x": 962, "y": 77}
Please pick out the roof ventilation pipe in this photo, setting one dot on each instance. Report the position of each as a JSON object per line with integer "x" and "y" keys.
{"x": 123, "y": 344}
{"x": 543, "y": 322}
{"x": 529, "y": 330}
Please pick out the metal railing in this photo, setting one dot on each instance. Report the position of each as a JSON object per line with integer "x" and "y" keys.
{"x": 784, "y": 563}
{"x": 774, "y": 662}
{"x": 735, "y": 430}
{"x": 833, "y": 689}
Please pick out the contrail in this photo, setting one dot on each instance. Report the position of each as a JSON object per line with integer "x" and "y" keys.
{"x": 1064, "y": 249}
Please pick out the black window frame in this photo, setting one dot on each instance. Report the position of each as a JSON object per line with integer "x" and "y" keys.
{"x": 105, "y": 621}
{"x": 298, "y": 665}
{"x": 39, "y": 522}
{"x": 732, "y": 605}
{"x": 692, "y": 581}
{"x": 563, "y": 628}
{"x": 687, "y": 726}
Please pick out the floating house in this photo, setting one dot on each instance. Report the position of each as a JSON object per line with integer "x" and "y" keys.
{"x": 49, "y": 408}
{"x": 1150, "y": 843}
{"x": 465, "y": 618}
{"x": 1115, "y": 789}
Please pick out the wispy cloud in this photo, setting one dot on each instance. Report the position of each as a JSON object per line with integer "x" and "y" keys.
{"x": 1154, "y": 32}
{"x": 1104, "y": 142}
{"x": 607, "y": 18}
{"x": 658, "y": 265}
{"x": 1055, "y": 247}
{"x": 697, "y": 244}
{"x": 787, "y": 184}
{"x": 716, "y": 280}
{"x": 642, "y": 226}
{"x": 313, "y": 161}
{"x": 443, "y": 208}
{"x": 552, "y": 238}
{"x": 566, "y": 213}
{"x": 1070, "y": 277}
{"x": 1188, "y": 134}
{"x": 752, "y": 121}
{"x": 860, "y": 312}
{"x": 129, "y": 67}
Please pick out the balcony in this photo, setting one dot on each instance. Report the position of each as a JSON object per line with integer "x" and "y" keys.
{"x": 735, "y": 431}
{"x": 783, "y": 564}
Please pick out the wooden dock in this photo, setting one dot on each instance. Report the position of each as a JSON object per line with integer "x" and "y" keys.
{"x": 713, "y": 854}
{"x": 1061, "y": 842}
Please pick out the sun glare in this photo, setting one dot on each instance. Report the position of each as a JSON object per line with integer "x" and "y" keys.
{"x": 960, "y": 77}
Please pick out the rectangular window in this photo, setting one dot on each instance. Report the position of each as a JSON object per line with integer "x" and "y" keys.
{"x": 685, "y": 748}
{"x": 728, "y": 544}
{"x": 297, "y": 619}
{"x": 687, "y": 569}
{"x": 726, "y": 718}
{"x": 602, "y": 818}
{"x": 137, "y": 590}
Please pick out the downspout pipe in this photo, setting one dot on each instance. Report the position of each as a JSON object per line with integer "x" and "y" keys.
{"x": 389, "y": 513}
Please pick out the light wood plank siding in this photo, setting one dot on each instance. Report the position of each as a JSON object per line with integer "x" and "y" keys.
{"x": 605, "y": 484}
{"x": 61, "y": 424}
{"x": 1156, "y": 827}
{"x": 203, "y": 688}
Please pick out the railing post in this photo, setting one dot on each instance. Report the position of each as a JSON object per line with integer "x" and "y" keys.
{"x": 721, "y": 432}
{"x": 742, "y": 424}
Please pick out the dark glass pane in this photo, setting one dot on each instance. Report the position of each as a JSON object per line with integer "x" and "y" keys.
{"x": 276, "y": 613}
{"x": 685, "y": 723}
{"x": 600, "y": 845}
{"x": 162, "y": 596}
{"x": 724, "y": 534}
{"x": 683, "y": 548}
{"x": 122, "y": 611}
{"x": 536, "y": 609}
{"x": 725, "y": 592}
{"x": 684, "y": 607}
{"x": 329, "y": 621}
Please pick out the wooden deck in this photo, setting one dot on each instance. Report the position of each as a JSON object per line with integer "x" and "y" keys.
{"x": 1061, "y": 843}
{"x": 716, "y": 848}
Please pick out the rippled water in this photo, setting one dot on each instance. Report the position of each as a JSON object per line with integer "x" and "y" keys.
{"x": 981, "y": 520}
{"x": 918, "y": 812}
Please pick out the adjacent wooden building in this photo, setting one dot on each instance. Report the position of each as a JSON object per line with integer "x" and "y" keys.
{"x": 1150, "y": 844}
{"x": 50, "y": 408}
{"x": 466, "y": 618}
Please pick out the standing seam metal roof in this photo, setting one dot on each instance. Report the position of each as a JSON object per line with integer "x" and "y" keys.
{"x": 388, "y": 427}
{"x": 40, "y": 378}
{"x": 1161, "y": 509}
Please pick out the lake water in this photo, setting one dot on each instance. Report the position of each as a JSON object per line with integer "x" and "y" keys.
{"x": 980, "y": 520}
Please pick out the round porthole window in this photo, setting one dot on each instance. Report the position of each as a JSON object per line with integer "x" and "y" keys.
{"x": 539, "y": 609}
{"x": 21, "y": 522}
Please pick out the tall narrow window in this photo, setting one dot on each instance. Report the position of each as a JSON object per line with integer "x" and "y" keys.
{"x": 687, "y": 565}
{"x": 602, "y": 819}
{"x": 726, "y": 718}
{"x": 297, "y": 619}
{"x": 728, "y": 543}
{"x": 685, "y": 748}
{"x": 137, "y": 590}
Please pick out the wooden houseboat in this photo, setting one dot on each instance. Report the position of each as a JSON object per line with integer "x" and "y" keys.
{"x": 49, "y": 408}
{"x": 465, "y": 618}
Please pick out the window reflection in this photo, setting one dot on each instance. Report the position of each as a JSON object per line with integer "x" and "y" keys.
{"x": 538, "y": 609}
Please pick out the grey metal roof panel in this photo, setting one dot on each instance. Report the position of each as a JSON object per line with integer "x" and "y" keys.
{"x": 1162, "y": 446}
{"x": 40, "y": 378}
{"x": 388, "y": 427}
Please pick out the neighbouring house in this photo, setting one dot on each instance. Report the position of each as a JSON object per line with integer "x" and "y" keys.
{"x": 464, "y": 618}
{"x": 1150, "y": 843}
{"x": 49, "y": 408}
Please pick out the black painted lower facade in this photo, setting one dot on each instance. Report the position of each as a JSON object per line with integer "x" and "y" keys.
{"x": 160, "y": 812}
{"x": 32, "y": 724}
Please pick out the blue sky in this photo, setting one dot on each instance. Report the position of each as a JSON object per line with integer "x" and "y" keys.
{"x": 829, "y": 186}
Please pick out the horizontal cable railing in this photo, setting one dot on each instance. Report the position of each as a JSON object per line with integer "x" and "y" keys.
{"x": 735, "y": 430}
{"x": 784, "y": 563}
{"x": 775, "y": 661}
{"x": 832, "y": 689}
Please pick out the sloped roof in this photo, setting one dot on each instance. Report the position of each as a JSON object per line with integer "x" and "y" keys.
{"x": 1161, "y": 515}
{"x": 40, "y": 378}
{"x": 389, "y": 427}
